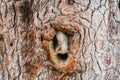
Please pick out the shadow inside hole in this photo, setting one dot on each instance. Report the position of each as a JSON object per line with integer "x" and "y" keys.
{"x": 70, "y": 2}
{"x": 55, "y": 42}
{"x": 119, "y": 4}
{"x": 41, "y": 38}
{"x": 11, "y": 44}
{"x": 62, "y": 56}
{"x": 1, "y": 37}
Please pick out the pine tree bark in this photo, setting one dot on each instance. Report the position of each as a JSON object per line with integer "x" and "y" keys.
{"x": 84, "y": 34}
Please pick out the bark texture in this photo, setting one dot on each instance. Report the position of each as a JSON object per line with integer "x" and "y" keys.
{"x": 87, "y": 34}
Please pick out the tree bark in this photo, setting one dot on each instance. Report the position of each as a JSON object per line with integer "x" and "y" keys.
{"x": 59, "y": 39}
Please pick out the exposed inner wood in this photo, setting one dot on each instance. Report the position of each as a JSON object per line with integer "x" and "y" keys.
{"x": 59, "y": 48}
{"x": 62, "y": 45}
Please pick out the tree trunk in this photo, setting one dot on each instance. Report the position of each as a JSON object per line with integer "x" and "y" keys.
{"x": 59, "y": 39}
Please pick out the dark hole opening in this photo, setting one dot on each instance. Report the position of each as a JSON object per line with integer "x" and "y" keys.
{"x": 11, "y": 44}
{"x": 1, "y": 37}
{"x": 41, "y": 38}
{"x": 119, "y": 4}
{"x": 55, "y": 42}
{"x": 70, "y": 2}
{"x": 62, "y": 56}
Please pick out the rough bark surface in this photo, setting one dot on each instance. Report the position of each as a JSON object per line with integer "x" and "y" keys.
{"x": 93, "y": 39}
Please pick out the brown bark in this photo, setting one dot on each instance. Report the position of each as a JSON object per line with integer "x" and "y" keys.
{"x": 59, "y": 40}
